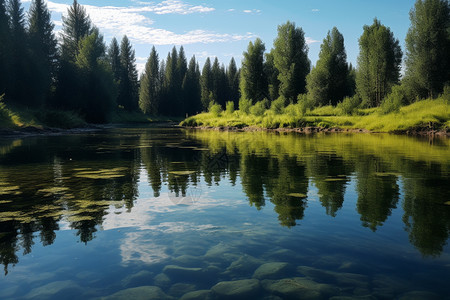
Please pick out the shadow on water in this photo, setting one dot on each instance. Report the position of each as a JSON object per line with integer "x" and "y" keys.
{"x": 73, "y": 181}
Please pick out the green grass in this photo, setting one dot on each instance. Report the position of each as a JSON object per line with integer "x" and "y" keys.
{"x": 15, "y": 117}
{"x": 435, "y": 113}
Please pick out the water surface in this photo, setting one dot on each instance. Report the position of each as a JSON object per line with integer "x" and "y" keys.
{"x": 173, "y": 212}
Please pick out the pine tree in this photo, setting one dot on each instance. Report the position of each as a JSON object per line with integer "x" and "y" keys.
{"x": 96, "y": 83}
{"x": 428, "y": 48}
{"x": 233, "y": 82}
{"x": 19, "y": 75}
{"x": 206, "y": 84}
{"x": 76, "y": 25}
{"x": 290, "y": 56}
{"x": 150, "y": 87}
{"x": 327, "y": 82}
{"x": 114, "y": 59}
{"x": 5, "y": 44}
{"x": 43, "y": 48}
{"x": 128, "y": 88}
{"x": 253, "y": 83}
{"x": 191, "y": 88}
{"x": 379, "y": 63}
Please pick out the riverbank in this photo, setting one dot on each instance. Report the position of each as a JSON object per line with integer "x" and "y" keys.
{"x": 426, "y": 117}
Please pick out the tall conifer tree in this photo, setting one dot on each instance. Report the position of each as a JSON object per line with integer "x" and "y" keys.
{"x": 76, "y": 25}
{"x": 5, "y": 43}
{"x": 128, "y": 87}
{"x": 43, "y": 48}
{"x": 150, "y": 88}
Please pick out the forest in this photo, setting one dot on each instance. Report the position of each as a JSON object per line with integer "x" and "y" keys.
{"x": 77, "y": 77}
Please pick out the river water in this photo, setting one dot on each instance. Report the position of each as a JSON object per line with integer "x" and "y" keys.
{"x": 168, "y": 213}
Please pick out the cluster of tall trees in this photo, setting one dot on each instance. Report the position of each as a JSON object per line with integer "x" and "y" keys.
{"x": 82, "y": 74}
{"x": 174, "y": 87}
{"x": 285, "y": 72}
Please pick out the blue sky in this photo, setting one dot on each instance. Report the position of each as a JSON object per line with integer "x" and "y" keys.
{"x": 223, "y": 28}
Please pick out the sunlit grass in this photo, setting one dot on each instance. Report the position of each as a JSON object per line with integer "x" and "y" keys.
{"x": 426, "y": 113}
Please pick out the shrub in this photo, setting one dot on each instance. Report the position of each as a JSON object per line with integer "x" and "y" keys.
{"x": 215, "y": 109}
{"x": 349, "y": 104}
{"x": 277, "y": 106}
{"x": 230, "y": 107}
{"x": 394, "y": 100}
{"x": 244, "y": 105}
{"x": 259, "y": 108}
{"x": 304, "y": 103}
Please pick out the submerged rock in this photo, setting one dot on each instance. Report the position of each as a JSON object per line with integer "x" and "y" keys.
{"x": 342, "y": 279}
{"x": 197, "y": 295}
{"x": 299, "y": 288}
{"x": 243, "y": 267}
{"x": 141, "y": 278}
{"x": 137, "y": 293}
{"x": 55, "y": 290}
{"x": 178, "y": 273}
{"x": 179, "y": 289}
{"x": 239, "y": 289}
{"x": 188, "y": 260}
{"x": 162, "y": 280}
{"x": 271, "y": 270}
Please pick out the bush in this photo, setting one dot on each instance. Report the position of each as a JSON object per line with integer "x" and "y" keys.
{"x": 259, "y": 108}
{"x": 304, "y": 103}
{"x": 230, "y": 107}
{"x": 215, "y": 109}
{"x": 277, "y": 106}
{"x": 394, "y": 100}
{"x": 244, "y": 105}
{"x": 349, "y": 104}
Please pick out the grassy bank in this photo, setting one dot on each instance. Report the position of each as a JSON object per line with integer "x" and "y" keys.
{"x": 426, "y": 113}
{"x": 19, "y": 117}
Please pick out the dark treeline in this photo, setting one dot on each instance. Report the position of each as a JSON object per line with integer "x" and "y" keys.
{"x": 80, "y": 73}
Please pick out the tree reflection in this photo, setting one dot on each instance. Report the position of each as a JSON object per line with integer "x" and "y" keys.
{"x": 78, "y": 179}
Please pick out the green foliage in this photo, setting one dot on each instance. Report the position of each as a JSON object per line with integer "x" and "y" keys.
{"x": 192, "y": 88}
{"x": 379, "y": 63}
{"x": 114, "y": 59}
{"x": 215, "y": 109}
{"x": 230, "y": 107}
{"x": 272, "y": 76}
{"x": 150, "y": 88}
{"x": 5, "y": 47}
{"x": 253, "y": 82}
{"x": 428, "y": 47}
{"x": 233, "y": 76}
{"x": 305, "y": 103}
{"x": 349, "y": 104}
{"x": 328, "y": 81}
{"x": 76, "y": 25}
{"x": 128, "y": 96}
{"x": 290, "y": 57}
{"x": 206, "y": 83}
{"x": 96, "y": 85}
{"x": 19, "y": 59}
{"x": 393, "y": 101}
{"x": 259, "y": 107}
{"x": 244, "y": 105}
{"x": 277, "y": 106}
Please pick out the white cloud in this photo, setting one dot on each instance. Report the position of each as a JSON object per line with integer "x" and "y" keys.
{"x": 119, "y": 21}
{"x": 231, "y": 9}
{"x": 315, "y": 10}
{"x": 252, "y": 11}
{"x": 310, "y": 40}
